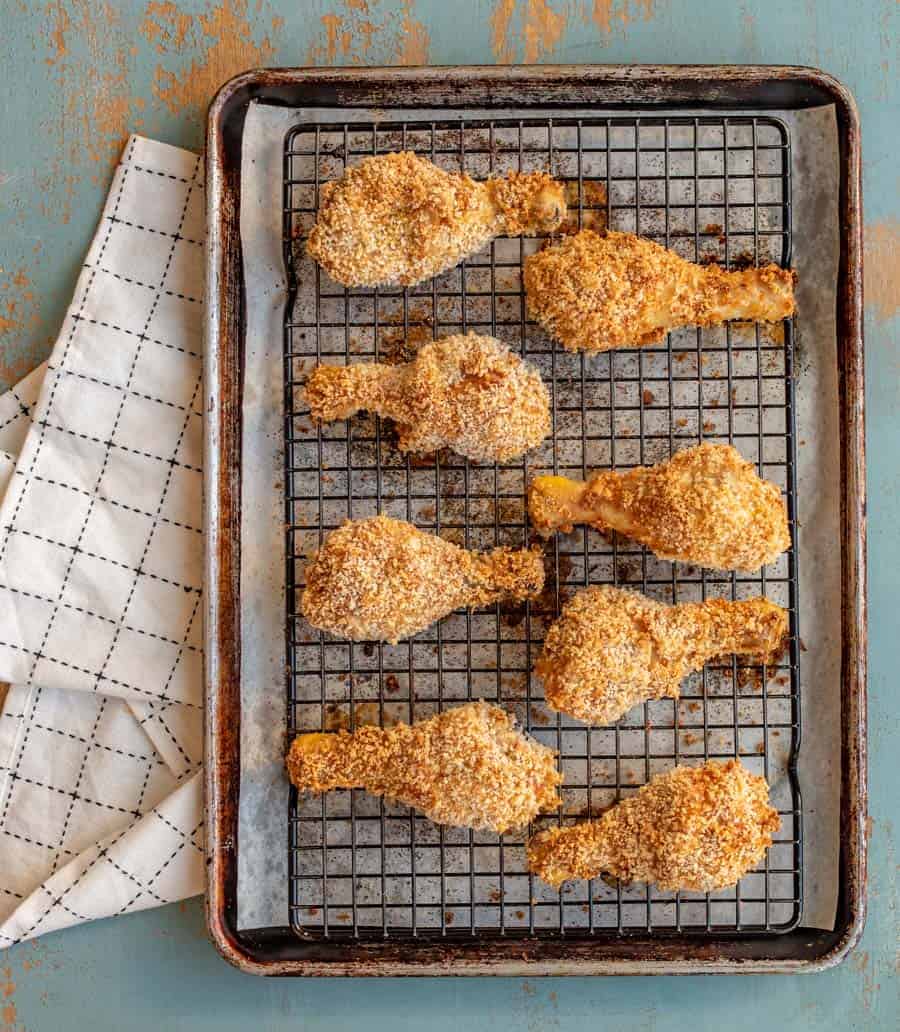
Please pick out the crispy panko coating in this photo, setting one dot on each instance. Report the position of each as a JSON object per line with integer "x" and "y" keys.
{"x": 706, "y": 505}
{"x": 692, "y": 828}
{"x": 398, "y": 218}
{"x": 381, "y": 579}
{"x": 596, "y": 292}
{"x": 611, "y": 649}
{"x": 465, "y": 392}
{"x": 468, "y": 767}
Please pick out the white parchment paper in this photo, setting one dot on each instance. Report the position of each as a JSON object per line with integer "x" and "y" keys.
{"x": 263, "y": 850}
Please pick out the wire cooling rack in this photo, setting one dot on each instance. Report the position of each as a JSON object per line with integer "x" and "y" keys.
{"x": 710, "y": 188}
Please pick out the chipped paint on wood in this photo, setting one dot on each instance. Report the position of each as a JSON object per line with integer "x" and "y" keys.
{"x": 607, "y": 14}
{"x": 861, "y": 963}
{"x": 414, "y": 42}
{"x": 225, "y": 40}
{"x": 370, "y": 32}
{"x": 90, "y": 63}
{"x": 18, "y": 305}
{"x": 333, "y": 25}
{"x": 57, "y": 34}
{"x": 9, "y": 1012}
{"x": 501, "y": 39}
{"x": 165, "y": 26}
{"x": 882, "y": 268}
{"x": 533, "y": 31}
{"x": 542, "y": 31}
{"x": 530, "y": 30}
{"x": 29, "y": 960}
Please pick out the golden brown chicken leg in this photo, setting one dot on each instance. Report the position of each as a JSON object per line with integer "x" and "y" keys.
{"x": 382, "y": 579}
{"x": 693, "y": 828}
{"x": 467, "y": 392}
{"x": 397, "y": 218}
{"x": 611, "y": 649}
{"x": 706, "y": 505}
{"x": 468, "y": 767}
{"x": 619, "y": 290}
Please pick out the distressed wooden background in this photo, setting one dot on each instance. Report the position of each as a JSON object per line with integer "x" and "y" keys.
{"x": 75, "y": 77}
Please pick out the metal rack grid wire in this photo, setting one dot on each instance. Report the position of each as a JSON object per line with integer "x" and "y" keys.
{"x": 712, "y": 188}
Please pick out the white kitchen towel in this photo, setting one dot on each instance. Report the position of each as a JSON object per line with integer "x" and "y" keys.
{"x": 100, "y": 573}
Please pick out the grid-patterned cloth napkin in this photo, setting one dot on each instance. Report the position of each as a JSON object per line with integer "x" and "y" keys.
{"x": 100, "y": 573}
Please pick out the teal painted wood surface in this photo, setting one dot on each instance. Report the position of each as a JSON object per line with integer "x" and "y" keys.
{"x": 75, "y": 77}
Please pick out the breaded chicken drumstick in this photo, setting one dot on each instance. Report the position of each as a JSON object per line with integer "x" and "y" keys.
{"x": 595, "y": 292}
{"x": 706, "y": 505}
{"x": 465, "y": 392}
{"x": 380, "y": 579}
{"x": 611, "y": 649}
{"x": 397, "y": 218}
{"x": 692, "y": 828}
{"x": 467, "y": 767}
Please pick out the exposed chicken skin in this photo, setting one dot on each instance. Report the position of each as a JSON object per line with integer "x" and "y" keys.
{"x": 467, "y": 392}
{"x": 692, "y": 828}
{"x": 706, "y": 505}
{"x": 382, "y": 579}
{"x": 398, "y": 218}
{"x": 467, "y": 767}
{"x": 595, "y": 292}
{"x": 611, "y": 649}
